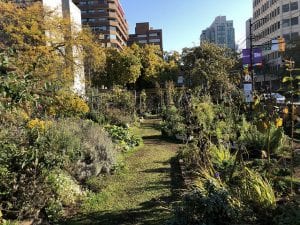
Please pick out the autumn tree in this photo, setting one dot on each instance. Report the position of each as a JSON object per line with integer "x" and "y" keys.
{"x": 152, "y": 64}
{"x": 122, "y": 67}
{"x": 34, "y": 38}
{"x": 37, "y": 36}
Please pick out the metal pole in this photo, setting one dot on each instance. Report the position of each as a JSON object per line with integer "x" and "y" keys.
{"x": 251, "y": 56}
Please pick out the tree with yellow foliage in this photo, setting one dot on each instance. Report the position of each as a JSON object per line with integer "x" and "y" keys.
{"x": 36, "y": 40}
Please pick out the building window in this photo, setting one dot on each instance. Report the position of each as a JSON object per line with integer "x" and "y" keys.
{"x": 294, "y": 6}
{"x": 101, "y": 10}
{"x": 112, "y": 37}
{"x": 153, "y": 34}
{"x": 294, "y": 35}
{"x": 286, "y": 8}
{"x": 154, "y": 40}
{"x": 286, "y": 37}
{"x": 143, "y": 41}
{"x": 82, "y": 3}
{"x": 112, "y": 28}
{"x": 294, "y": 21}
{"x": 286, "y": 23}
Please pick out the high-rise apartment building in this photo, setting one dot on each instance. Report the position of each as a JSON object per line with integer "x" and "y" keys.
{"x": 273, "y": 19}
{"x": 107, "y": 20}
{"x": 221, "y": 32}
{"x": 144, "y": 34}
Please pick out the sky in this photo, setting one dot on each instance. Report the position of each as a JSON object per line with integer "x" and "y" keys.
{"x": 183, "y": 20}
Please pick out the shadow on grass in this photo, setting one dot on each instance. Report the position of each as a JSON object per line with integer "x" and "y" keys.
{"x": 156, "y": 211}
{"x": 154, "y": 138}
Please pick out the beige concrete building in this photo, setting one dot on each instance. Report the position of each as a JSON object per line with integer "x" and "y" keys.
{"x": 273, "y": 19}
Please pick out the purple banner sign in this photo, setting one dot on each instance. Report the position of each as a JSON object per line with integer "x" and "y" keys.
{"x": 246, "y": 56}
{"x": 257, "y": 56}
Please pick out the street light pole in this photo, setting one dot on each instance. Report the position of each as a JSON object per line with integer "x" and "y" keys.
{"x": 251, "y": 51}
{"x": 251, "y": 57}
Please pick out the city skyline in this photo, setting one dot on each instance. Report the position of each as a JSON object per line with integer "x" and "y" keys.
{"x": 183, "y": 21}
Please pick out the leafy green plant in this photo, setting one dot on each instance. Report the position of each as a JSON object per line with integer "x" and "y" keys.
{"x": 287, "y": 214}
{"x": 172, "y": 122}
{"x": 222, "y": 159}
{"x": 123, "y": 137}
{"x": 190, "y": 154}
{"x": 54, "y": 210}
{"x": 66, "y": 189}
{"x": 212, "y": 205}
{"x": 256, "y": 141}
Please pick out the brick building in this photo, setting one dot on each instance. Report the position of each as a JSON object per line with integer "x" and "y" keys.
{"x": 144, "y": 34}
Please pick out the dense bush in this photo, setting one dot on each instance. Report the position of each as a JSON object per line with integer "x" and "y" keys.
{"x": 172, "y": 122}
{"x": 67, "y": 104}
{"x": 212, "y": 205}
{"x": 116, "y": 106}
{"x": 97, "y": 154}
{"x": 256, "y": 141}
{"x": 30, "y": 152}
{"x": 123, "y": 137}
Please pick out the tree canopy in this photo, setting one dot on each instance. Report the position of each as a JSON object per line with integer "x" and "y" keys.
{"x": 209, "y": 66}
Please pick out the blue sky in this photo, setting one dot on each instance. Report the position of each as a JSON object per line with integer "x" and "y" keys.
{"x": 183, "y": 20}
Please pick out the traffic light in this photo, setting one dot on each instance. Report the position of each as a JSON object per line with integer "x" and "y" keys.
{"x": 281, "y": 43}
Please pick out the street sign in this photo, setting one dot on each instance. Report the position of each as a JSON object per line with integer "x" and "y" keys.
{"x": 248, "y": 96}
{"x": 248, "y": 92}
{"x": 247, "y": 87}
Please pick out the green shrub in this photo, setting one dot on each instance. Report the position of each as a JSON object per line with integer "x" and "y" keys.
{"x": 172, "y": 122}
{"x": 95, "y": 184}
{"x": 23, "y": 169}
{"x": 54, "y": 210}
{"x": 287, "y": 214}
{"x": 123, "y": 137}
{"x": 256, "y": 141}
{"x": 223, "y": 161}
{"x": 98, "y": 153}
{"x": 66, "y": 189}
{"x": 212, "y": 205}
{"x": 204, "y": 113}
{"x": 114, "y": 106}
{"x": 191, "y": 156}
{"x": 28, "y": 155}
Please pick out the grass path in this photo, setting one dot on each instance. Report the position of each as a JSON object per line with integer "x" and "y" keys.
{"x": 144, "y": 192}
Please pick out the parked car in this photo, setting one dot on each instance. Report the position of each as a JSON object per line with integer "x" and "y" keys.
{"x": 279, "y": 98}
